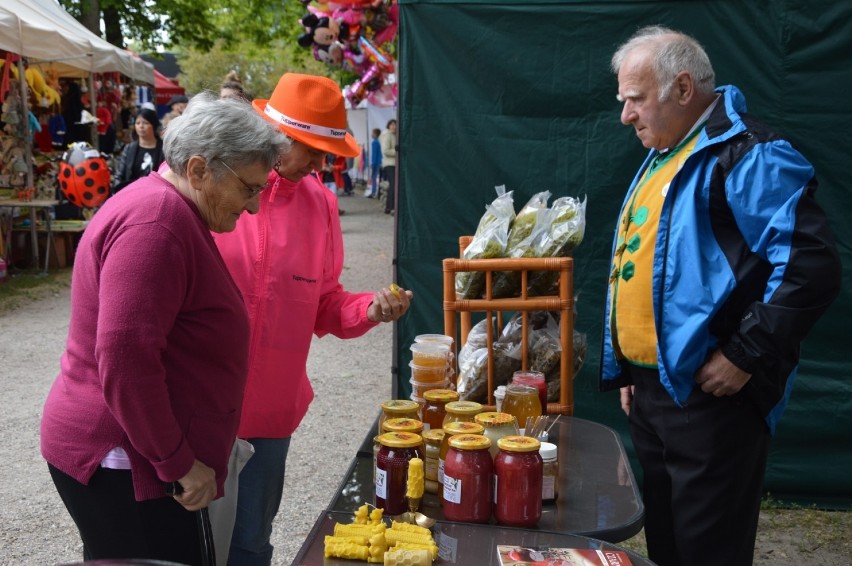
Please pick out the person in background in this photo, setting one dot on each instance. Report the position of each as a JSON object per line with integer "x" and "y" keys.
{"x": 143, "y": 155}
{"x": 146, "y": 394}
{"x": 232, "y": 87}
{"x": 177, "y": 104}
{"x": 127, "y": 115}
{"x": 327, "y": 173}
{"x": 375, "y": 164}
{"x": 287, "y": 262}
{"x": 706, "y": 359}
{"x": 388, "y": 143}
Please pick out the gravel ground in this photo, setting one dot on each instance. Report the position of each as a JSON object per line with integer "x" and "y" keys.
{"x": 350, "y": 378}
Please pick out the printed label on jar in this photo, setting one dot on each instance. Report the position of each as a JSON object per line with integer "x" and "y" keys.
{"x": 381, "y": 483}
{"x": 452, "y": 489}
{"x": 440, "y": 470}
{"x": 548, "y": 487}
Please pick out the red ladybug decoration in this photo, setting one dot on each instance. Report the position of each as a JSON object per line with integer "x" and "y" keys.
{"x": 84, "y": 175}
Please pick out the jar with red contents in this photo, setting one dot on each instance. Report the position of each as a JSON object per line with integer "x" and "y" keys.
{"x": 518, "y": 470}
{"x": 434, "y": 409}
{"x": 397, "y": 449}
{"x": 468, "y": 473}
{"x": 453, "y": 428}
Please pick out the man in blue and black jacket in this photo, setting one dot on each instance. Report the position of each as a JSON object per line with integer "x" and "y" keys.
{"x": 722, "y": 263}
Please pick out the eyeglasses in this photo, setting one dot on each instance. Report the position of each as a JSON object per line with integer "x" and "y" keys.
{"x": 253, "y": 191}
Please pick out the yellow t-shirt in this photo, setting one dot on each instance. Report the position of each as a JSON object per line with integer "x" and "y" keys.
{"x": 634, "y": 336}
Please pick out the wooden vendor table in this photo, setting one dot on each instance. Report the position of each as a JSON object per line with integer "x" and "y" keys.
{"x": 597, "y": 498}
{"x": 36, "y": 207}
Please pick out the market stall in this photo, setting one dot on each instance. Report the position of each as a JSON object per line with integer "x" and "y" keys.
{"x": 48, "y": 66}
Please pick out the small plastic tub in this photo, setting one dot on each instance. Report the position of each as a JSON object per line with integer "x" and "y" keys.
{"x": 429, "y": 373}
{"x": 418, "y": 388}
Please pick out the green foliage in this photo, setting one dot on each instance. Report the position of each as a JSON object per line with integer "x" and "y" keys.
{"x": 259, "y": 67}
{"x": 198, "y": 24}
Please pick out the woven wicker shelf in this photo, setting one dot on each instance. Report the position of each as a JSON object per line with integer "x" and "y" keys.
{"x": 456, "y": 310}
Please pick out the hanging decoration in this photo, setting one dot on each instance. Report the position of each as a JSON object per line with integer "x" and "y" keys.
{"x": 84, "y": 176}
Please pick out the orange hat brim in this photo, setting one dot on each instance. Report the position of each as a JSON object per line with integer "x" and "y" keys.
{"x": 346, "y": 147}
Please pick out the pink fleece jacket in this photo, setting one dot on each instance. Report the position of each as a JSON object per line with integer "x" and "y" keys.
{"x": 157, "y": 347}
{"x": 287, "y": 261}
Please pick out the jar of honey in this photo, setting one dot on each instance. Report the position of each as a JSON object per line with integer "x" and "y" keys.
{"x": 397, "y": 448}
{"x": 534, "y": 379}
{"x": 398, "y": 408}
{"x": 453, "y": 428}
{"x": 432, "y": 452}
{"x": 468, "y": 472}
{"x": 460, "y": 411}
{"x": 521, "y": 401}
{"x": 518, "y": 472}
{"x": 433, "y": 411}
{"x": 496, "y": 425}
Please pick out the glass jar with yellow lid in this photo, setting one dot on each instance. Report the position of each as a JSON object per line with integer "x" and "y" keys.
{"x": 460, "y": 411}
{"x": 399, "y": 408}
{"x": 397, "y": 449}
{"x": 402, "y": 424}
{"x": 468, "y": 479}
{"x": 497, "y": 426}
{"x": 431, "y": 453}
{"x": 451, "y": 429}
{"x": 434, "y": 410}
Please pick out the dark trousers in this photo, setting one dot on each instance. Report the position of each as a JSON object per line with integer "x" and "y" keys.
{"x": 389, "y": 173}
{"x": 113, "y": 524}
{"x": 703, "y": 470}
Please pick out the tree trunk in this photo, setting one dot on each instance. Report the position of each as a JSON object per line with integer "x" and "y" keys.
{"x": 112, "y": 24}
{"x": 90, "y": 16}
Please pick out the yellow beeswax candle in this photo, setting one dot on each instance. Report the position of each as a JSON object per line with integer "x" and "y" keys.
{"x": 415, "y": 479}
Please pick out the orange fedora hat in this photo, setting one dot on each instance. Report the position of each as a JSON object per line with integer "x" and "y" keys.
{"x": 310, "y": 109}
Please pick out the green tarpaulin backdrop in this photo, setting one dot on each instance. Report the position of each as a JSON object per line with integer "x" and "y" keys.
{"x": 520, "y": 94}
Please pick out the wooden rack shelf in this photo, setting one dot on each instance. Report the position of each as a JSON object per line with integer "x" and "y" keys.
{"x": 461, "y": 309}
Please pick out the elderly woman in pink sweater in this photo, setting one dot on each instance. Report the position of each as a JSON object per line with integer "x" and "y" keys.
{"x": 151, "y": 383}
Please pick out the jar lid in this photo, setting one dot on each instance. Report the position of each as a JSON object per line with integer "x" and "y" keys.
{"x": 470, "y": 442}
{"x": 463, "y": 407}
{"x": 399, "y": 406}
{"x": 440, "y": 338}
{"x": 433, "y": 435}
{"x": 547, "y": 450}
{"x": 441, "y": 395}
{"x": 492, "y": 418}
{"x": 403, "y": 424}
{"x": 463, "y": 428}
{"x": 400, "y": 439}
{"x": 519, "y": 444}
{"x": 430, "y": 347}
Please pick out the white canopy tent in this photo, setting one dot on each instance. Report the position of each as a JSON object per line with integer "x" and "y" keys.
{"x": 45, "y": 33}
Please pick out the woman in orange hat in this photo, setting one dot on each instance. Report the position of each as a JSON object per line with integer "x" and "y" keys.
{"x": 287, "y": 260}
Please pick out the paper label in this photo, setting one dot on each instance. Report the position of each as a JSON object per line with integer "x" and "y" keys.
{"x": 381, "y": 483}
{"x": 452, "y": 489}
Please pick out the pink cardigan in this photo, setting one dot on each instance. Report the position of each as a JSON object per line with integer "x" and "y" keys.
{"x": 287, "y": 260}
{"x": 157, "y": 347}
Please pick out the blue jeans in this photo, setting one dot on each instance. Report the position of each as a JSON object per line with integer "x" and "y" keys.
{"x": 261, "y": 486}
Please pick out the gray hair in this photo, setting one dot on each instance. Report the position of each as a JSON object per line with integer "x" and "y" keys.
{"x": 221, "y": 129}
{"x": 673, "y": 52}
